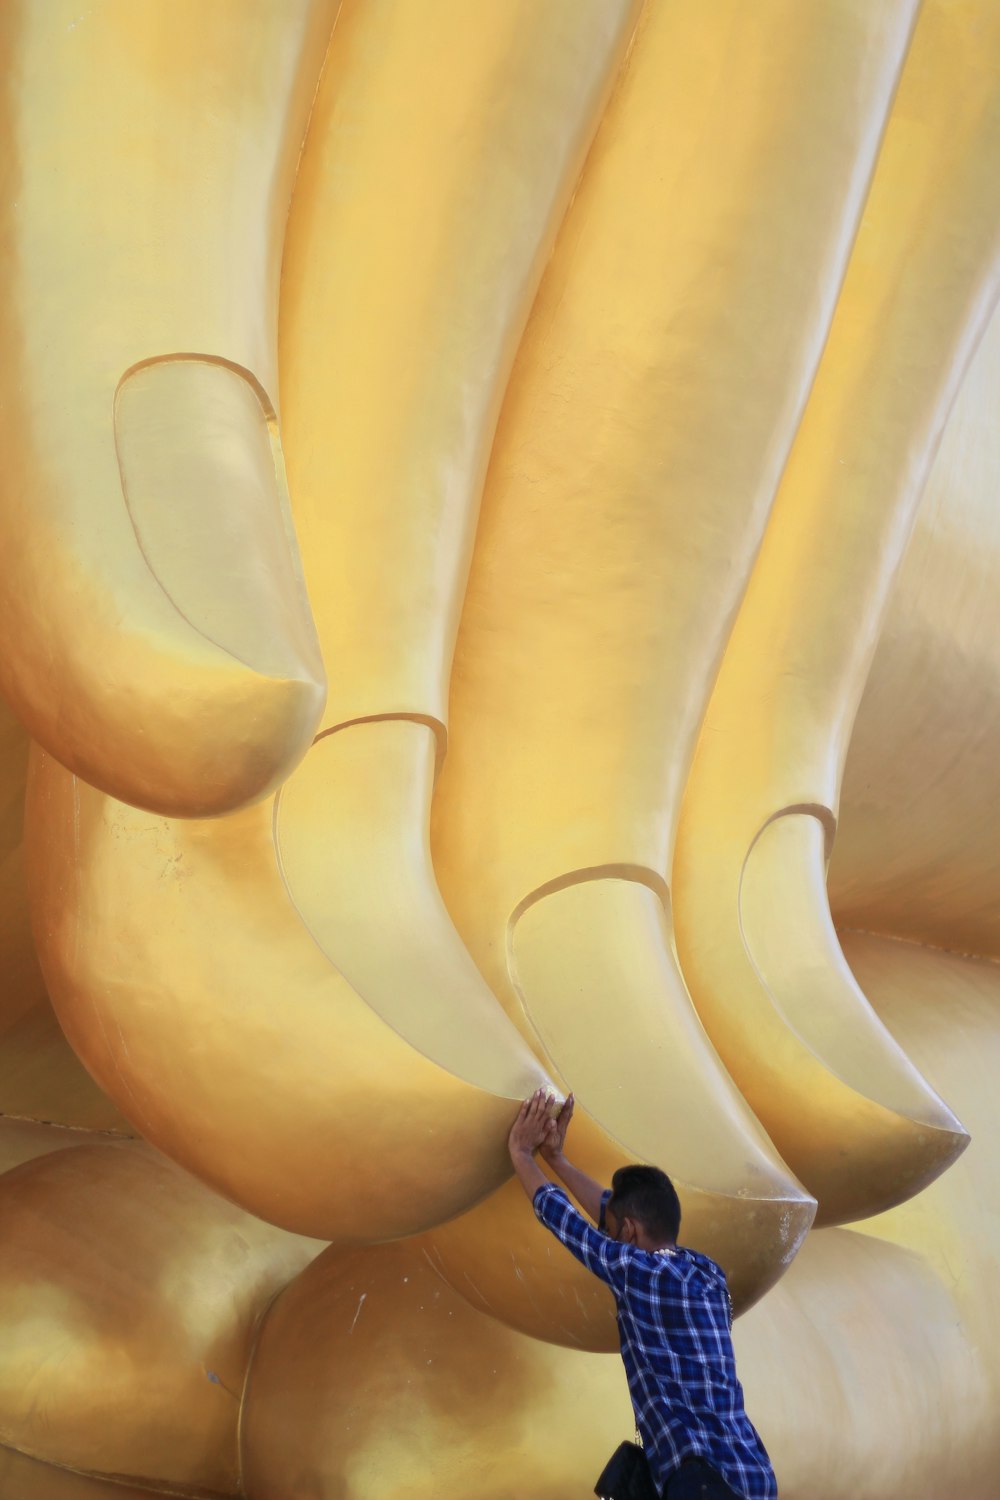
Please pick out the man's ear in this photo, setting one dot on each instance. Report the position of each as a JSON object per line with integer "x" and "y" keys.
{"x": 628, "y": 1232}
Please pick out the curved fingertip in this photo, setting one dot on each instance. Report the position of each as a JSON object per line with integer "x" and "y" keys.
{"x": 840, "y": 1098}
{"x": 176, "y": 665}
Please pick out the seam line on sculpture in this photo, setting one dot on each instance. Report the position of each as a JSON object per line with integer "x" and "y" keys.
{"x": 912, "y": 942}
{"x": 305, "y": 131}
{"x": 121, "y": 1480}
{"x": 258, "y": 1330}
{"x": 117, "y": 1135}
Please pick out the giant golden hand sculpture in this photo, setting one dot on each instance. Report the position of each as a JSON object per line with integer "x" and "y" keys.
{"x": 496, "y": 495}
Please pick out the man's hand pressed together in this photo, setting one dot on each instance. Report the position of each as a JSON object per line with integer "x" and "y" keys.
{"x": 533, "y": 1126}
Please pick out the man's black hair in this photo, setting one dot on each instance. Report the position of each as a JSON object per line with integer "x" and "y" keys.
{"x": 647, "y": 1195}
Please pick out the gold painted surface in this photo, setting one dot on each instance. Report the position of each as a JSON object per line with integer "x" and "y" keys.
{"x": 24, "y": 988}
{"x": 636, "y": 460}
{"x": 739, "y": 1206}
{"x": 918, "y": 851}
{"x": 393, "y": 369}
{"x": 455, "y": 1055}
{"x": 903, "y": 1362}
{"x": 373, "y": 1378}
{"x": 40, "y": 1076}
{"x": 444, "y": 147}
{"x": 865, "y": 1368}
{"x": 897, "y": 1134}
{"x": 776, "y": 731}
{"x": 195, "y": 995}
{"x": 24, "y": 1478}
{"x": 24, "y": 1140}
{"x": 150, "y": 154}
{"x": 686, "y": 293}
{"x": 129, "y": 1297}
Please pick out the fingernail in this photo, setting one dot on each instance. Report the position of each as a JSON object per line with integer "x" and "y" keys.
{"x": 203, "y": 483}
{"x": 201, "y": 471}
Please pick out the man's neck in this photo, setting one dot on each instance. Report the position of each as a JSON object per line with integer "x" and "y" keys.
{"x": 646, "y": 1242}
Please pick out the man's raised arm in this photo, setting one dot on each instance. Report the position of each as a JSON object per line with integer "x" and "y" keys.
{"x": 585, "y": 1190}
{"x": 534, "y": 1130}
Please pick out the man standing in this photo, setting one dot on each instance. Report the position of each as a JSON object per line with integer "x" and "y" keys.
{"x": 674, "y": 1314}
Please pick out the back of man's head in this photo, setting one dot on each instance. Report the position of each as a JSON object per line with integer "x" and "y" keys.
{"x": 646, "y": 1195}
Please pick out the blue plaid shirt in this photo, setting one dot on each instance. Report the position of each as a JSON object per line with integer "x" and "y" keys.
{"x": 674, "y": 1322}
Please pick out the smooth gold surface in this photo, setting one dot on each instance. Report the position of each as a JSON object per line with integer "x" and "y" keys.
{"x": 404, "y": 296}
{"x": 897, "y": 1331}
{"x": 635, "y": 462}
{"x": 193, "y": 992}
{"x": 25, "y": 988}
{"x": 623, "y": 347}
{"x": 150, "y": 154}
{"x": 373, "y": 1378}
{"x": 24, "y": 1140}
{"x": 444, "y": 147}
{"x": 898, "y": 1135}
{"x": 40, "y": 1076}
{"x": 129, "y": 1297}
{"x": 776, "y": 731}
{"x": 34, "y": 1480}
{"x": 917, "y": 852}
{"x": 378, "y": 915}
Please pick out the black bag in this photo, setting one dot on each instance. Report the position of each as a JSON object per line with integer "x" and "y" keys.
{"x": 627, "y": 1476}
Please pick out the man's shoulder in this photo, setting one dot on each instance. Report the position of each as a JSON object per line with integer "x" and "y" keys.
{"x": 697, "y": 1259}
